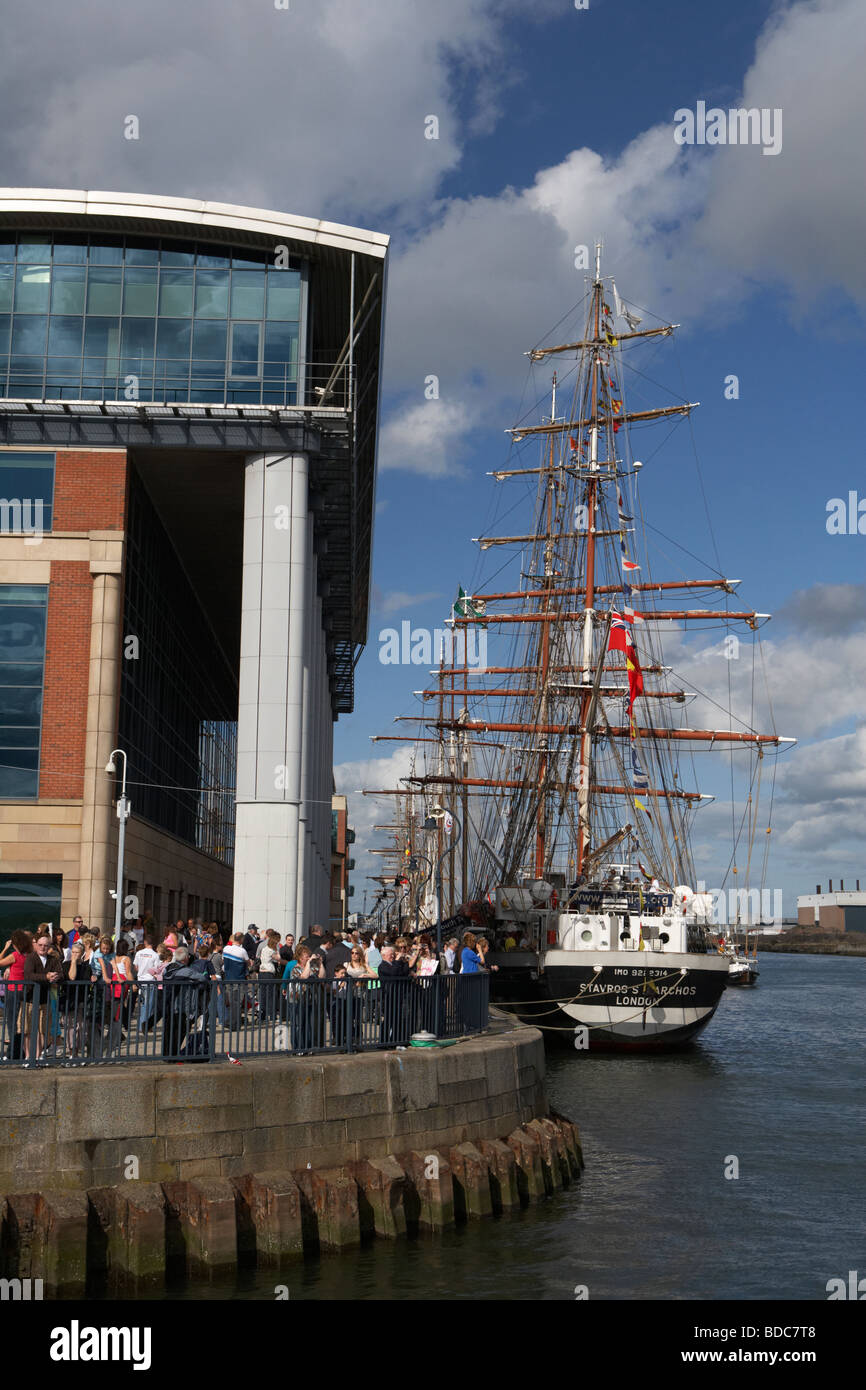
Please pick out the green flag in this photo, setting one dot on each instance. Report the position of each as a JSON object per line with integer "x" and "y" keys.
{"x": 468, "y": 607}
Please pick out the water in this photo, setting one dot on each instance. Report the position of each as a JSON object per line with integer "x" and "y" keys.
{"x": 775, "y": 1082}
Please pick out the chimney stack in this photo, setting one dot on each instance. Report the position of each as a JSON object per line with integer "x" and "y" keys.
{"x": 841, "y": 885}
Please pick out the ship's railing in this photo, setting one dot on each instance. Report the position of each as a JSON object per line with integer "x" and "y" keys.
{"x": 84, "y": 1022}
{"x": 608, "y": 900}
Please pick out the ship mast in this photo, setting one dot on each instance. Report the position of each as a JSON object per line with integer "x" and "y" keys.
{"x": 567, "y": 767}
{"x": 583, "y": 781}
{"x": 541, "y": 822}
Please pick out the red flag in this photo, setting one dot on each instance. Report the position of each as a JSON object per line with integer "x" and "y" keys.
{"x": 635, "y": 676}
{"x": 618, "y": 641}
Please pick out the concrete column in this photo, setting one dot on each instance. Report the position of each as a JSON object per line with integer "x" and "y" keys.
{"x": 98, "y": 852}
{"x": 328, "y": 764}
{"x": 316, "y": 764}
{"x": 270, "y": 711}
{"x": 325, "y": 774}
{"x": 304, "y": 866}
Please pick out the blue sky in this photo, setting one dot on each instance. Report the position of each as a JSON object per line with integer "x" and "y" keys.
{"x": 555, "y": 127}
{"x": 769, "y": 460}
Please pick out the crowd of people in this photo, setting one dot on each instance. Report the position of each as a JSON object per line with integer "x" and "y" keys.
{"x": 95, "y": 989}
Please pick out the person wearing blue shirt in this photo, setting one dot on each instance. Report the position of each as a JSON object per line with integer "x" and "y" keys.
{"x": 470, "y": 960}
{"x": 104, "y": 951}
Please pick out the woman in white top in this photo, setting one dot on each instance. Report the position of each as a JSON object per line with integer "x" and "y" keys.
{"x": 147, "y": 963}
{"x": 269, "y": 959}
{"x": 148, "y": 968}
{"x": 357, "y": 967}
{"x": 269, "y": 954}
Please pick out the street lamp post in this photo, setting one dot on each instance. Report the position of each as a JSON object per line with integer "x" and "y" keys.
{"x": 413, "y": 864}
{"x": 123, "y": 809}
{"x": 438, "y": 813}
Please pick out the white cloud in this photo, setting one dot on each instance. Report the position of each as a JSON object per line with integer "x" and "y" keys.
{"x": 399, "y": 602}
{"x": 815, "y": 675}
{"x": 313, "y": 109}
{"x": 683, "y": 228}
{"x": 798, "y": 216}
{"x": 427, "y": 438}
{"x": 491, "y": 275}
{"x": 371, "y": 774}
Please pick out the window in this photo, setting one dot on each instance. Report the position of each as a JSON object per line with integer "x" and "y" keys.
{"x": 67, "y": 289}
{"x": 34, "y": 248}
{"x": 27, "y": 901}
{"x": 139, "y": 291}
{"x": 103, "y": 290}
{"x": 72, "y": 249}
{"x": 7, "y": 285}
{"x": 26, "y": 481}
{"x": 175, "y": 293}
{"x": 211, "y": 294}
{"x": 22, "y": 668}
{"x": 248, "y": 294}
{"x": 145, "y": 302}
{"x": 65, "y": 335}
{"x": 209, "y": 349}
{"x": 284, "y": 294}
{"x": 32, "y": 287}
{"x": 246, "y": 340}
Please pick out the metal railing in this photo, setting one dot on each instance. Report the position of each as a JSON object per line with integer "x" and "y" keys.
{"x": 202, "y": 381}
{"x": 88, "y": 1022}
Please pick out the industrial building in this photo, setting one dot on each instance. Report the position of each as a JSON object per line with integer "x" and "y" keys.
{"x": 838, "y": 911}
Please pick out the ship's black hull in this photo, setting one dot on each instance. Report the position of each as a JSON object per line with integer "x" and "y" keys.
{"x": 652, "y": 1004}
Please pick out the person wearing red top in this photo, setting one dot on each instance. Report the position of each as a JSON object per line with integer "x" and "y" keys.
{"x": 12, "y": 960}
{"x": 120, "y": 979}
{"x": 25, "y": 967}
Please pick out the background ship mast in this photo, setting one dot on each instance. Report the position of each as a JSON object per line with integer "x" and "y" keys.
{"x": 577, "y": 746}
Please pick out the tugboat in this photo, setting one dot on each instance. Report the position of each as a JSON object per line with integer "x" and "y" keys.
{"x": 568, "y": 765}
{"x": 742, "y": 969}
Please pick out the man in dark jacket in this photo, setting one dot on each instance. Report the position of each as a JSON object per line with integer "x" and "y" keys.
{"x": 395, "y": 995}
{"x": 338, "y": 953}
{"x": 185, "y": 1006}
{"x": 251, "y": 940}
{"x": 313, "y": 939}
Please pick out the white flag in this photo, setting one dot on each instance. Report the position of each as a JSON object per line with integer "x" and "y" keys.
{"x": 622, "y": 312}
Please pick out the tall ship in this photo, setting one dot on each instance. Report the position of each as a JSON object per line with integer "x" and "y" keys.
{"x": 551, "y": 802}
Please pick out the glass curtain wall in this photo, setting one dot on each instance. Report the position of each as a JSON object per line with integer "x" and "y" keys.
{"x": 23, "y": 613}
{"x": 124, "y": 318}
{"x": 178, "y": 695}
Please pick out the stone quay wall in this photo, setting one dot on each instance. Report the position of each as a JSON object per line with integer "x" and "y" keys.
{"x": 77, "y": 1128}
{"x": 134, "y": 1171}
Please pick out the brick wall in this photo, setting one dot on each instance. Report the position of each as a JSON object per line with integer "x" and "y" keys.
{"x": 89, "y": 495}
{"x": 67, "y": 665}
{"x": 90, "y": 490}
